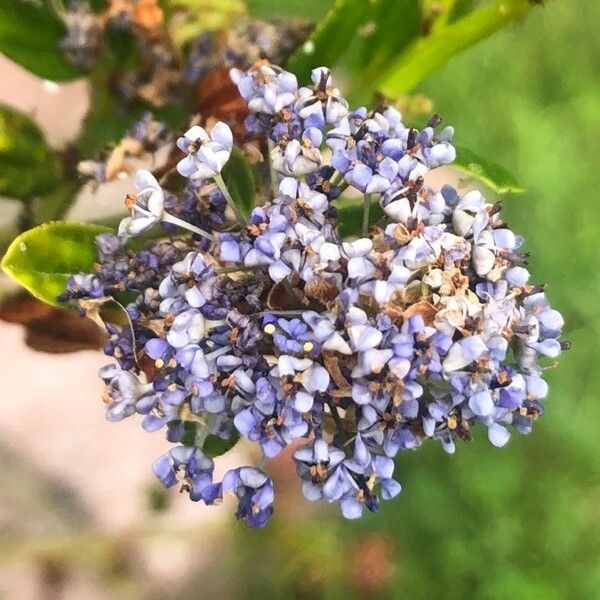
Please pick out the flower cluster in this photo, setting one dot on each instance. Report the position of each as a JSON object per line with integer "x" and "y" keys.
{"x": 421, "y": 324}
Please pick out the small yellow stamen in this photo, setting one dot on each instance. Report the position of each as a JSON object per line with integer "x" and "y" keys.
{"x": 308, "y": 346}
{"x": 159, "y": 363}
{"x": 270, "y": 329}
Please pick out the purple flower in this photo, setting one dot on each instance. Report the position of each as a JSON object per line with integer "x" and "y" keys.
{"x": 188, "y": 465}
{"x": 254, "y": 491}
{"x": 272, "y": 430}
{"x": 267, "y": 88}
{"x": 123, "y": 392}
{"x": 279, "y": 328}
{"x": 315, "y": 463}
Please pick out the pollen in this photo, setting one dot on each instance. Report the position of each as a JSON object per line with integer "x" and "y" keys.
{"x": 130, "y": 200}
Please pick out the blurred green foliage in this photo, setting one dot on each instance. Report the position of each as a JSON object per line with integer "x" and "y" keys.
{"x": 521, "y": 522}
{"x": 30, "y": 30}
{"x": 28, "y": 166}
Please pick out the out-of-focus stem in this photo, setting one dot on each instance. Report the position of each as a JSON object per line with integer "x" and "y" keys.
{"x": 272, "y": 171}
{"x": 366, "y": 209}
{"x": 168, "y": 218}
{"x": 234, "y": 207}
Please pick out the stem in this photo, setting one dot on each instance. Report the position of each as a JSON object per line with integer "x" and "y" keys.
{"x": 272, "y": 171}
{"x": 204, "y": 431}
{"x": 25, "y": 220}
{"x": 240, "y": 268}
{"x": 168, "y": 218}
{"x": 234, "y": 207}
{"x": 337, "y": 178}
{"x": 130, "y": 323}
{"x": 366, "y": 209}
{"x": 282, "y": 313}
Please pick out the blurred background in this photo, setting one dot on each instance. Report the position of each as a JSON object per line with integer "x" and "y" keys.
{"x": 82, "y": 517}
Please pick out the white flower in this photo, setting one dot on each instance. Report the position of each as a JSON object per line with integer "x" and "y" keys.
{"x": 296, "y": 159}
{"x": 267, "y": 88}
{"x": 324, "y": 101}
{"x": 207, "y": 152}
{"x": 147, "y": 207}
{"x": 358, "y": 264}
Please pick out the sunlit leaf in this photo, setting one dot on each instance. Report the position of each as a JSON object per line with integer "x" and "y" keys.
{"x": 359, "y": 36}
{"x": 312, "y": 10}
{"x": 43, "y": 258}
{"x": 494, "y": 176}
{"x": 330, "y": 39}
{"x": 239, "y": 180}
{"x": 428, "y": 53}
{"x": 28, "y": 166}
{"x": 30, "y": 34}
{"x": 460, "y": 8}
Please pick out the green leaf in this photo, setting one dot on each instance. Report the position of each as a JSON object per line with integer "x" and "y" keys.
{"x": 427, "y": 54}
{"x": 494, "y": 176}
{"x": 460, "y": 8}
{"x": 311, "y": 10}
{"x": 361, "y": 37}
{"x": 28, "y": 166}
{"x": 239, "y": 180}
{"x": 395, "y": 24}
{"x": 43, "y": 258}
{"x": 212, "y": 445}
{"x": 215, "y": 446}
{"x": 30, "y": 34}
{"x": 350, "y": 212}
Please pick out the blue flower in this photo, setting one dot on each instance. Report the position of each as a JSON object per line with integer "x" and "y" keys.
{"x": 123, "y": 392}
{"x": 266, "y": 88}
{"x": 187, "y": 465}
{"x": 281, "y": 330}
{"x": 273, "y": 430}
{"x": 254, "y": 491}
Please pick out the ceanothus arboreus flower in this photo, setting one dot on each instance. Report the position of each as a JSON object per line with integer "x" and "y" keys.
{"x": 207, "y": 151}
{"x": 277, "y": 328}
{"x": 266, "y": 88}
{"x": 323, "y": 101}
{"x": 146, "y": 206}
